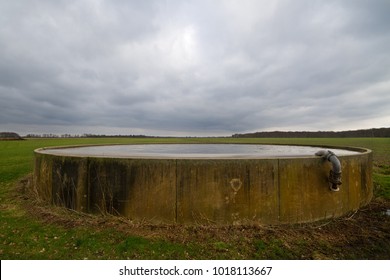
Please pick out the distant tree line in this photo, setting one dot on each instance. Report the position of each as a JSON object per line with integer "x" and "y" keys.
{"x": 86, "y": 135}
{"x": 112, "y": 136}
{"x": 373, "y": 132}
{"x": 44, "y": 135}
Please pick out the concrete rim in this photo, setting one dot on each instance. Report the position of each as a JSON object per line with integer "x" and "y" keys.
{"x": 42, "y": 150}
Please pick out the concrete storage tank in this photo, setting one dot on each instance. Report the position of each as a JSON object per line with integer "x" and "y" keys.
{"x": 205, "y": 183}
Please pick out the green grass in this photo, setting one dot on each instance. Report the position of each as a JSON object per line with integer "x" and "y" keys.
{"x": 25, "y": 235}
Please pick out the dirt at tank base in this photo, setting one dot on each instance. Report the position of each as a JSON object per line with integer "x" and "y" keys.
{"x": 363, "y": 234}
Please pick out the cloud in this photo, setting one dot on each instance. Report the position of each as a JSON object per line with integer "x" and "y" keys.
{"x": 195, "y": 67}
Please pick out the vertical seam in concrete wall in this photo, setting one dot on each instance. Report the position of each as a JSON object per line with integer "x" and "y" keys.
{"x": 278, "y": 176}
{"x": 362, "y": 187}
{"x": 246, "y": 188}
{"x": 347, "y": 186}
{"x": 249, "y": 188}
{"x": 88, "y": 186}
{"x": 51, "y": 181}
{"x": 176, "y": 191}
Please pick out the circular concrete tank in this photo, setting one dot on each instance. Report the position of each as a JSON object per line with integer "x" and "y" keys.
{"x": 204, "y": 183}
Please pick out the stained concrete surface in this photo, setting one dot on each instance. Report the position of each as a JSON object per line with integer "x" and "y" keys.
{"x": 204, "y": 190}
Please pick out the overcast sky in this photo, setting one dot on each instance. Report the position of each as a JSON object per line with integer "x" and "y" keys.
{"x": 193, "y": 67}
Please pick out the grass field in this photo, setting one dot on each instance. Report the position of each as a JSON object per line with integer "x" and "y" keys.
{"x": 32, "y": 230}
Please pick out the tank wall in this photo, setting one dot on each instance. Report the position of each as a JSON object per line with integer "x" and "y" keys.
{"x": 227, "y": 191}
{"x": 186, "y": 191}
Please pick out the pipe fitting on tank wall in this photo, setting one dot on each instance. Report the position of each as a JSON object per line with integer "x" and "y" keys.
{"x": 335, "y": 173}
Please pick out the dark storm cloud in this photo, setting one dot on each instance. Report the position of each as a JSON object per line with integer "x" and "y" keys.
{"x": 196, "y": 67}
